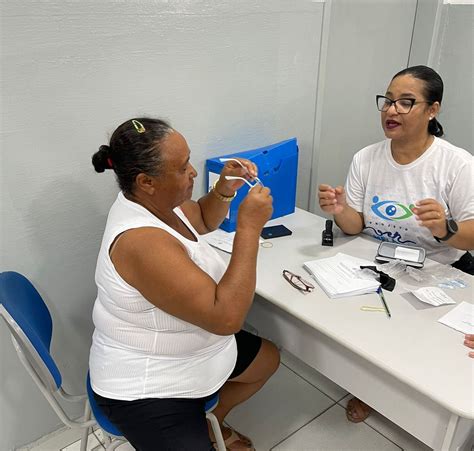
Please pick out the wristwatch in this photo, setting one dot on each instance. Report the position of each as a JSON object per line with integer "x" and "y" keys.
{"x": 452, "y": 228}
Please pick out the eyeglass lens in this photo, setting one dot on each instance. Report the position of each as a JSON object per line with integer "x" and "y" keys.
{"x": 402, "y": 106}
{"x": 297, "y": 281}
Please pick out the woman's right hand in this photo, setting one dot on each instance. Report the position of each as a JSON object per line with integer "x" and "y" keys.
{"x": 332, "y": 200}
{"x": 256, "y": 209}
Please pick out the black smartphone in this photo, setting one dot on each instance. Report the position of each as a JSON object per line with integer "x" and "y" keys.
{"x": 275, "y": 231}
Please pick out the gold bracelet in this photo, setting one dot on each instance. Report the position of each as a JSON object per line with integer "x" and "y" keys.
{"x": 220, "y": 196}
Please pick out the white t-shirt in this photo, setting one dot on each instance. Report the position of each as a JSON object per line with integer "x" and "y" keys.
{"x": 139, "y": 351}
{"x": 385, "y": 191}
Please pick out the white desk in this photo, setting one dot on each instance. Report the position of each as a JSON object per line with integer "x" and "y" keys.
{"x": 410, "y": 368}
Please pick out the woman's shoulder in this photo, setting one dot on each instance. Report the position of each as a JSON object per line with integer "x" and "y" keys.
{"x": 449, "y": 151}
{"x": 367, "y": 152}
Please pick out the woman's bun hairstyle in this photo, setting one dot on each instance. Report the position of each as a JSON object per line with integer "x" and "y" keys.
{"x": 435, "y": 128}
{"x": 101, "y": 159}
{"x": 135, "y": 147}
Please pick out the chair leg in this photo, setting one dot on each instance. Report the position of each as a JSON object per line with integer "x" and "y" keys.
{"x": 107, "y": 439}
{"x": 85, "y": 432}
{"x": 217, "y": 431}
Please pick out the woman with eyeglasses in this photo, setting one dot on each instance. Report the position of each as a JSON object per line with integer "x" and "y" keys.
{"x": 169, "y": 311}
{"x": 413, "y": 188}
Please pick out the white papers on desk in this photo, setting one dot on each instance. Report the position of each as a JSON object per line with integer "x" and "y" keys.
{"x": 339, "y": 276}
{"x": 433, "y": 295}
{"x": 460, "y": 318}
{"x": 222, "y": 240}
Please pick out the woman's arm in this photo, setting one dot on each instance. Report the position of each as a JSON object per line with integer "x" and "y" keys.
{"x": 333, "y": 201}
{"x": 158, "y": 266}
{"x": 210, "y": 210}
{"x": 430, "y": 213}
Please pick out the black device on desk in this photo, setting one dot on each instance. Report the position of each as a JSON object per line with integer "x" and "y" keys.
{"x": 327, "y": 239}
{"x": 275, "y": 232}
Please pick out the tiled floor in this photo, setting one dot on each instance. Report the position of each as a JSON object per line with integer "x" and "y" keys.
{"x": 298, "y": 410}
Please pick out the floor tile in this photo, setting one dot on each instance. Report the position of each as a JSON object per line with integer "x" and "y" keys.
{"x": 328, "y": 387}
{"x": 93, "y": 444}
{"x": 56, "y": 440}
{"x": 395, "y": 433}
{"x": 125, "y": 447}
{"x": 100, "y": 436}
{"x": 283, "y": 405}
{"x": 332, "y": 431}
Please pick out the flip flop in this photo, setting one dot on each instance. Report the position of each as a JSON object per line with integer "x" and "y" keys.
{"x": 357, "y": 411}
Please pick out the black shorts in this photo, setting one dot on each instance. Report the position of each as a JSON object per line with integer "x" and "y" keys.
{"x": 172, "y": 424}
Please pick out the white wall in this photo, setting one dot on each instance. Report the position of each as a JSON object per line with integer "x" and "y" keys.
{"x": 229, "y": 75}
{"x": 452, "y": 55}
{"x": 367, "y": 43}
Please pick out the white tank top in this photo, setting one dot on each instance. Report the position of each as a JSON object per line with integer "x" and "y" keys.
{"x": 139, "y": 351}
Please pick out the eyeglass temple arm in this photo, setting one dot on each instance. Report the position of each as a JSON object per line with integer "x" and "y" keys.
{"x": 234, "y": 177}
{"x": 223, "y": 160}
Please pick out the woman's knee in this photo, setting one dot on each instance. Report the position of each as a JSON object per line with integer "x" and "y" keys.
{"x": 271, "y": 355}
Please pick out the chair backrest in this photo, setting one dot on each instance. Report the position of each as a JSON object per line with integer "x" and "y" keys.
{"x": 101, "y": 419}
{"x": 31, "y": 327}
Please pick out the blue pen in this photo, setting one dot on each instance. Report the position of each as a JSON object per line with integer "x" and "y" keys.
{"x": 382, "y": 297}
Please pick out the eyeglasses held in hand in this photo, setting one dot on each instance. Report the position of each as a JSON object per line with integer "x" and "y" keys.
{"x": 402, "y": 106}
{"x": 298, "y": 282}
{"x": 234, "y": 177}
{"x": 239, "y": 162}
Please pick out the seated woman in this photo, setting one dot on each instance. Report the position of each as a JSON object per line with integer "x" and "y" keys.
{"x": 168, "y": 311}
{"x": 412, "y": 188}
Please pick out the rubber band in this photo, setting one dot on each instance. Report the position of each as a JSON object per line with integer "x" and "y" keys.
{"x": 109, "y": 162}
{"x": 266, "y": 244}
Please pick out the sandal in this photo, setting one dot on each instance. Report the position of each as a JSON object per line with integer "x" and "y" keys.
{"x": 357, "y": 411}
{"x": 237, "y": 441}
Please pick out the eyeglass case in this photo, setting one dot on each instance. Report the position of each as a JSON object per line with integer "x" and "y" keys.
{"x": 277, "y": 168}
{"x": 410, "y": 255}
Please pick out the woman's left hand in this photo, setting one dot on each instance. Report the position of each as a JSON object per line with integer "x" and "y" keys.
{"x": 228, "y": 187}
{"x": 469, "y": 342}
{"x": 430, "y": 213}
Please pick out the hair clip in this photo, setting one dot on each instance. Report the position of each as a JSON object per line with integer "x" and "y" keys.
{"x": 138, "y": 126}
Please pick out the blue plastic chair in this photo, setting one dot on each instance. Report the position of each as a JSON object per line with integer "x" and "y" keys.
{"x": 31, "y": 329}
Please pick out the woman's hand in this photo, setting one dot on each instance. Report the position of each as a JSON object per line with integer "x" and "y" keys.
{"x": 430, "y": 214}
{"x": 332, "y": 200}
{"x": 228, "y": 187}
{"x": 256, "y": 209}
{"x": 469, "y": 342}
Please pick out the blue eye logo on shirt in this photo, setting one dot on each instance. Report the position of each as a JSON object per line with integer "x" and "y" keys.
{"x": 391, "y": 210}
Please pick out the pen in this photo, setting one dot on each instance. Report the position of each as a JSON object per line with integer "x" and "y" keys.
{"x": 382, "y": 297}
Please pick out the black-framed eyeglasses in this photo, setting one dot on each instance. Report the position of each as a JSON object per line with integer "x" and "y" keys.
{"x": 402, "y": 106}
{"x": 298, "y": 282}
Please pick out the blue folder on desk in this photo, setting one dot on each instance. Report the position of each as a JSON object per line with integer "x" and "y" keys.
{"x": 277, "y": 169}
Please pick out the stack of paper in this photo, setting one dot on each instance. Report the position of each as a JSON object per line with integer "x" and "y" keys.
{"x": 340, "y": 276}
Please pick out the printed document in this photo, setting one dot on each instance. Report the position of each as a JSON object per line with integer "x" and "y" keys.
{"x": 460, "y": 318}
{"x": 340, "y": 276}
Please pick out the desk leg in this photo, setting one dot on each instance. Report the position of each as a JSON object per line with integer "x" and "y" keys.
{"x": 450, "y": 433}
